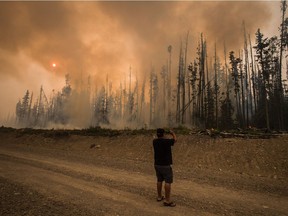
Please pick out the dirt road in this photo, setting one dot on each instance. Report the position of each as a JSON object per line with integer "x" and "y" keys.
{"x": 40, "y": 176}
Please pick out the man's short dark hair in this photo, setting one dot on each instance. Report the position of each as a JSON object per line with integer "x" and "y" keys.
{"x": 160, "y": 132}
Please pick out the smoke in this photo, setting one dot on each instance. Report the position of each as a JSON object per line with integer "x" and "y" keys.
{"x": 106, "y": 38}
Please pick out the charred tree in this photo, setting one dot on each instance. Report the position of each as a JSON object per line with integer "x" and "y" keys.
{"x": 179, "y": 86}
{"x": 253, "y": 78}
{"x": 169, "y": 86}
{"x": 216, "y": 87}
{"x": 22, "y": 109}
{"x": 261, "y": 50}
{"x": 164, "y": 78}
{"x": 202, "y": 58}
{"x": 153, "y": 97}
{"x": 247, "y": 80}
{"x": 283, "y": 44}
{"x": 183, "y": 82}
{"x": 242, "y": 90}
{"x": 235, "y": 76}
{"x": 193, "y": 70}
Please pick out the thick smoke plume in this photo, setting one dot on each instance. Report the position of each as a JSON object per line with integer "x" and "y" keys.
{"x": 100, "y": 39}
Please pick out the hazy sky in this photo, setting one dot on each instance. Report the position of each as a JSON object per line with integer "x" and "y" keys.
{"x": 99, "y": 38}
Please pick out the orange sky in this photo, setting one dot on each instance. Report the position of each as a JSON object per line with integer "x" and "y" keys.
{"x": 99, "y": 38}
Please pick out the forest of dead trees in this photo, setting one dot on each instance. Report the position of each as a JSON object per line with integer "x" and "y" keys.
{"x": 247, "y": 88}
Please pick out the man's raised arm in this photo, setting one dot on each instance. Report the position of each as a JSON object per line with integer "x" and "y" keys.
{"x": 173, "y": 135}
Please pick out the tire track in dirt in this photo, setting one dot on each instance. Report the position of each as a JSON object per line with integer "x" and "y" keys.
{"x": 17, "y": 199}
{"x": 75, "y": 184}
{"x": 136, "y": 190}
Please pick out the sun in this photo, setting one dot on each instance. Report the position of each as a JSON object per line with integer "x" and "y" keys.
{"x": 54, "y": 65}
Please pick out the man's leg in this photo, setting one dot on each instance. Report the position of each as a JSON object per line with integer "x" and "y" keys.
{"x": 167, "y": 192}
{"x": 159, "y": 190}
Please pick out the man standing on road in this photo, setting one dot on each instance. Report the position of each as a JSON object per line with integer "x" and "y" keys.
{"x": 162, "y": 163}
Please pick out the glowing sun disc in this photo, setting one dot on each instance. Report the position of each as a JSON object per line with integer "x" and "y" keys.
{"x": 53, "y": 65}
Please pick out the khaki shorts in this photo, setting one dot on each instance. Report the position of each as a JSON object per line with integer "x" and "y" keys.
{"x": 164, "y": 173}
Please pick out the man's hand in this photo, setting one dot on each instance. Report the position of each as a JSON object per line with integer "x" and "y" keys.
{"x": 173, "y": 134}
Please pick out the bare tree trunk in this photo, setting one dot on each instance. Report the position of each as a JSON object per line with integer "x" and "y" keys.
{"x": 266, "y": 107}
{"x": 199, "y": 94}
{"x": 130, "y": 99}
{"x": 142, "y": 103}
{"x": 124, "y": 98}
{"x": 151, "y": 98}
{"x": 242, "y": 91}
{"x": 120, "y": 101}
{"x": 169, "y": 86}
{"x": 189, "y": 99}
{"x": 226, "y": 79}
{"x": 279, "y": 77}
{"x": 30, "y": 105}
{"x": 184, "y": 81}
{"x": 216, "y": 88}
{"x": 247, "y": 80}
{"x": 206, "y": 85}
{"x": 164, "y": 92}
{"x": 136, "y": 91}
{"x": 178, "y": 108}
{"x": 202, "y": 66}
{"x": 253, "y": 76}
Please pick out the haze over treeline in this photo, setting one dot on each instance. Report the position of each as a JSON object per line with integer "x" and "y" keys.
{"x": 142, "y": 64}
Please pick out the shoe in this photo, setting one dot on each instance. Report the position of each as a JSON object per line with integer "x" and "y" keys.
{"x": 171, "y": 204}
{"x": 160, "y": 199}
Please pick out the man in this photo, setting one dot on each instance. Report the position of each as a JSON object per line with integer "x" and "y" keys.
{"x": 162, "y": 163}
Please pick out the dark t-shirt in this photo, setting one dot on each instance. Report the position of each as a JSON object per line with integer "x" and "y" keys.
{"x": 162, "y": 151}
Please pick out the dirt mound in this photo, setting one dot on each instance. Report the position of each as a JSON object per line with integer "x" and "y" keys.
{"x": 194, "y": 152}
